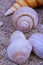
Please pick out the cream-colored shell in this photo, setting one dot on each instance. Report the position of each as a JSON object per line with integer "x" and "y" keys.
{"x": 25, "y": 18}
{"x": 37, "y": 42}
{"x": 17, "y": 35}
{"x": 19, "y": 51}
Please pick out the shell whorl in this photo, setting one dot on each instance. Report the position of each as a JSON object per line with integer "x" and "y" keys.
{"x": 25, "y": 19}
{"x": 24, "y": 23}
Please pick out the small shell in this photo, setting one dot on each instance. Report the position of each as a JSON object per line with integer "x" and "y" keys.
{"x": 25, "y": 18}
{"x": 17, "y": 35}
{"x": 37, "y": 42}
{"x": 19, "y": 50}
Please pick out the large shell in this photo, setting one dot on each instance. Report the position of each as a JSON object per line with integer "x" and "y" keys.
{"x": 19, "y": 50}
{"x": 25, "y": 18}
{"x": 37, "y": 42}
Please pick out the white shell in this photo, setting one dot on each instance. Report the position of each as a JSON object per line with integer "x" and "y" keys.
{"x": 19, "y": 50}
{"x": 25, "y": 18}
{"x": 17, "y": 35}
{"x": 10, "y": 11}
{"x": 37, "y": 42}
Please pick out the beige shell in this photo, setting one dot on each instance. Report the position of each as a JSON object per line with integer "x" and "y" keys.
{"x": 25, "y": 18}
{"x": 19, "y": 50}
{"x": 21, "y": 3}
{"x": 37, "y": 42}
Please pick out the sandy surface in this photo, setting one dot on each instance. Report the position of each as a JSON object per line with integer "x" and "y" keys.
{"x": 6, "y": 29}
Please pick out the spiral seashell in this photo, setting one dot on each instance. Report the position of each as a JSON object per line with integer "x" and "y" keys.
{"x": 19, "y": 49}
{"x": 36, "y": 40}
{"x": 25, "y": 18}
{"x": 21, "y": 3}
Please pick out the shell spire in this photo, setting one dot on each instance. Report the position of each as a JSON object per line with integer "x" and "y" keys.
{"x": 20, "y": 3}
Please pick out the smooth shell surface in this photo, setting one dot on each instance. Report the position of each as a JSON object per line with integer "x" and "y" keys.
{"x": 37, "y": 42}
{"x": 19, "y": 50}
{"x": 17, "y": 35}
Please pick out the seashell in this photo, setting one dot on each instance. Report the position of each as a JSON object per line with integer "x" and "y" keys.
{"x": 25, "y": 18}
{"x": 17, "y": 35}
{"x": 21, "y": 3}
{"x": 19, "y": 50}
{"x": 36, "y": 40}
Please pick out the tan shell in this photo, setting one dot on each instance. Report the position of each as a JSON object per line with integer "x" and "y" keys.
{"x": 25, "y": 18}
{"x": 21, "y": 3}
{"x": 37, "y": 42}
